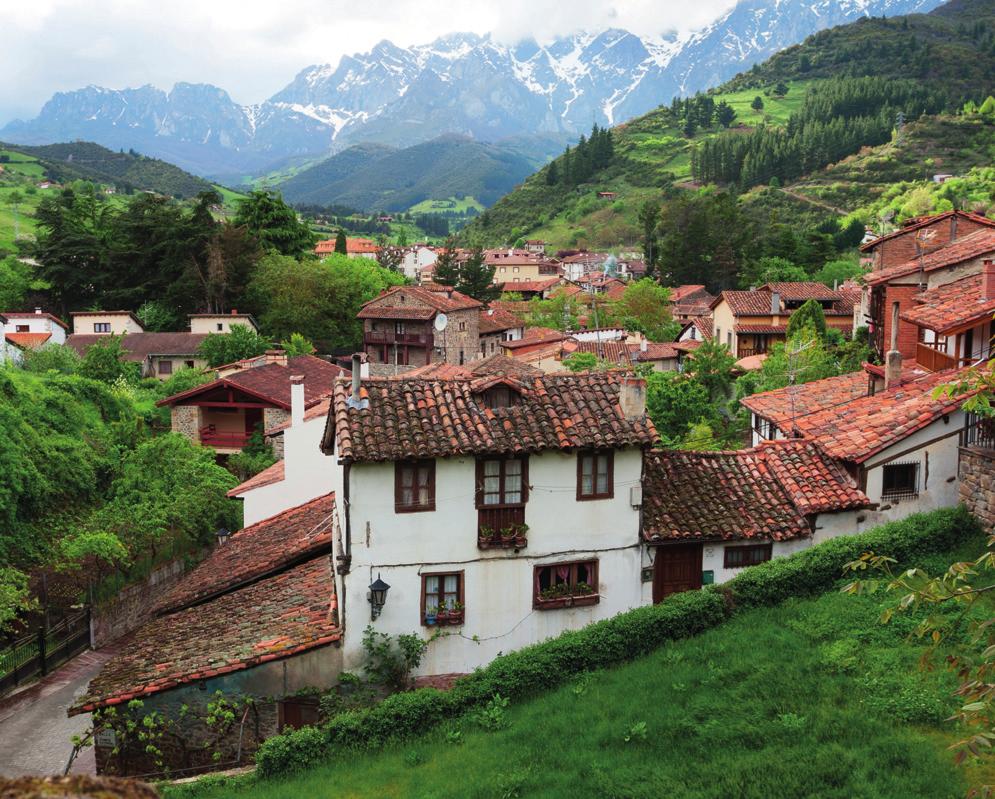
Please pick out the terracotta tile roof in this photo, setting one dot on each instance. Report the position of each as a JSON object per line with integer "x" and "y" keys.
{"x": 746, "y": 303}
{"x": 497, "y": 364}
{"x": 859, "y": 429}
{"x": 402, "y": 298}
{"x": 27, "y": 340}
{"x": 950, "y": 307}
{"x": 704, "y": 325}
{"x": 966, "y": 248}
{"x": 530, "y": 285}
{"x": 657, "y": 351}
{"x": 271, "y": 382}
{"x": 494, "y": 320}
{"x": 763, "y": 493}
{"x": 923, "y": 222}
{"x": 761, "y": 329}
{"x": 139, "y": 346}
{"x": 354, "y": 246}
{"x": 687, "y": 346}
{"x": 535, "y": 335}
{"x": 396, "y": 312}
{"x": 683, "y": 292}
{"x": 781, "y": 406}
{"x": 273, "y": 474}
{"x": 317, "y": 411}
{"x": 750, "y": 363}
{"x": 617, "y": 352}
{"x": 802, "y": 291}
{"x": 13, "y": 316}
{"x": 257, "y": 551}
{"x": 440, "y": 418}
{"x": 284, "y": 615}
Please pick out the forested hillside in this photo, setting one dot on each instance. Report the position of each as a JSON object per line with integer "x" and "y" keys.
{"x": 899, "y": 84}
{"x": 127, "y": 171}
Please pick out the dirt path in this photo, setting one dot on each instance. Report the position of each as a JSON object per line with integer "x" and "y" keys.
{"x": 817, "y": 203}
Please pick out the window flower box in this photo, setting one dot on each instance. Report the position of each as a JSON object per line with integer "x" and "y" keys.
{"x": 513, "y": 537}
{"x": 581, "y": 600}
{"x": 449, "y": 617}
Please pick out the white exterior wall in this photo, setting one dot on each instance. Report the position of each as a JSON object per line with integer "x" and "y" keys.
{"x": 36, "y": 323}
{"x": 498, "y": 584}
{"x": 120, "y": 323}
{"x": 209, "y": 324}
{"x": 417, "y": 259}
{"x": 935, "y": 449}
{"x": 308, "y": 474}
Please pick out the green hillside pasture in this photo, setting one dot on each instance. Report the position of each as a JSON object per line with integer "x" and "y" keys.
{"x": 25, "y": 215}
{"x": 442, "y": 206}
{"x": 813, "y": 698}
{"x": 22, "y": 164}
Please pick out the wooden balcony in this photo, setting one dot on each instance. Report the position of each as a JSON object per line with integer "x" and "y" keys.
{"x": 934, "y": 360}
{"x": 501, "y": 528}
{"x": 390, "y": 337}
{"x": 210, "y": 436}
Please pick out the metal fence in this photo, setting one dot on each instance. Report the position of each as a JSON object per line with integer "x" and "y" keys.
{"x": 35, "y": 655}
{"x": 979, "y": 431}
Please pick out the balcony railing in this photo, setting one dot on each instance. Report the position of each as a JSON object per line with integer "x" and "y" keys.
{"x": 390, "y": 337}
{"x": 210, "y": 436}
{"x": 502, "y": 528}
{"x": 979, "y": 431}
{"x": 933, "y": 359}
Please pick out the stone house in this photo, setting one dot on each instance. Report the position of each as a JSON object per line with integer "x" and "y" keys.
{"x": 922, "y": 236}
{"x": 401, "y": 327}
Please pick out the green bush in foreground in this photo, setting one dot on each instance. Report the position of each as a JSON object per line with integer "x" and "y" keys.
{"x": 608, "y": 643}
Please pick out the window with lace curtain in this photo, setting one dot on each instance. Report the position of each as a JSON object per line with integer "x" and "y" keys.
{"x": 560, "y": 584}
{"x": 414, "y": 486}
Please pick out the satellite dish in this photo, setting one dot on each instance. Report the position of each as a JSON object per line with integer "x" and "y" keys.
{"x": 441, "y": 320}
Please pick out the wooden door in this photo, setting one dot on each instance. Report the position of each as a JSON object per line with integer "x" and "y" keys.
{"x": 676, "y": 568}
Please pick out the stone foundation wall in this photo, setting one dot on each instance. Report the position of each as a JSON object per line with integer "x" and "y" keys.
{"x": 186, "y": 420}
{"x": 977, "y": 484}
{"x": 132, "y": 607}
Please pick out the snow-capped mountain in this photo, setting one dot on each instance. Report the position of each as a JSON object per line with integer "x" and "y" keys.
{"x": 461, "y": 83}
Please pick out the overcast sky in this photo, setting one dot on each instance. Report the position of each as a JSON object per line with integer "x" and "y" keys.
{"x": 253, "y": 48}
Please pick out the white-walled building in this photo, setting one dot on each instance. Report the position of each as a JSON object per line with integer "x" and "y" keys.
{"x": 27, "y": 328}
{"x": 707, "y": 515}
{"x": 417, "y": 258}
{"x": 105, "y": 323}
{"x": 221, "y": 323}
{"x": 511, "y": 503}
{"x": 900, "y": 444}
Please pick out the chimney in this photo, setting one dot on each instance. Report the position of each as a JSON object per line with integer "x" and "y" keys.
{"x": 893, "y": 359}
{"x": 775, "y": 303}
{"x": 38, "y": 310}
{"x": 296, "y": 400}
{"x": 632, "y": 398}
{"x": 234, "y": 311}
{"x": 988, "y": 279}
{"x": 355, "y": 399}
{"x": 277, "y": 357}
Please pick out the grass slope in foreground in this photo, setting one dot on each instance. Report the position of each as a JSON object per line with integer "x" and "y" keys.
{"x": 813, "y": 698}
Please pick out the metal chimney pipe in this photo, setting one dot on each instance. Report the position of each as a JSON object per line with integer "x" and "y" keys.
{"x": 357, "y": 376}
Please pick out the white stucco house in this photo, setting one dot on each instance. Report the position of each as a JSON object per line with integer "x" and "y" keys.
{"x": 417, "y": 258}
{"x": 504, "y": 510}
{"x": 900, "y": 444}
{"x": 33, "y": 328}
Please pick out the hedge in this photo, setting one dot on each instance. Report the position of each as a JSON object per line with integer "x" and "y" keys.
{"x": 607, "y": 643}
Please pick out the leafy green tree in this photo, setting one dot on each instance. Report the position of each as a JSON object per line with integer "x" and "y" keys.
{"x": 14, "y": 200}
{"x": 645, "y": 307}
{"x": 388, "y": 255}
{"x": 446, "y": 265}
{"x": 341, "y": 246}
{"x": 757, "y": 104}
{"x": 581, "y": 361}
{"x": 15, "y": 596}
{"x": 51, "y": 357}
{"x": 297, "y": 345}
{"x": 155, "y": 316}
{"x": 240, "y": 343}
{"x": 712, "y": 365}
{"x": 318, "y": 299}
{"x": 649, "y": 219}
{"x": 771, "y": 269}
{"x": 809, "y": 316}
{"x": 17, "y": 282}
{"x": 835, "y": 272}
{"x": 560, "y": 311}
{"x": 675, "y": 402}
{"x": 105, "y": 361}
{"x": 725, "y": 114}
{"x": 274, "y": 224}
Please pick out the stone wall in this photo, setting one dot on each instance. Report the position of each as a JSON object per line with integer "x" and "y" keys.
{"x": 186, "y": 420}
{"x": 977, "y": 484}
{"x": 274, "y": 417}
{"x": 132, "y": 607}
{"x": 461, "y": 337}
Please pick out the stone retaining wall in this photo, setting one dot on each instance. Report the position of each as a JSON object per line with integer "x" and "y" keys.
{"x": 977, "y": 484}
{"x": 132, "y": 607}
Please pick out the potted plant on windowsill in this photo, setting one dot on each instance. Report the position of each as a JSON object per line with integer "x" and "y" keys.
{"x": 566, "y": 596}
{"x": 431, "y": 616}
{"x": 449, "y": 616}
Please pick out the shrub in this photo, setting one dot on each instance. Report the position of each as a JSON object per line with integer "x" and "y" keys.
{"x": 607, "y": 643}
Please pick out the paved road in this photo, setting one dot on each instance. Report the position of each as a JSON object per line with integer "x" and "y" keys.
{"x": 35, "y": 732}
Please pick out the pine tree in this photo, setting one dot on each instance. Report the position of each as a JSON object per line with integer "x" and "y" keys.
{"x": 476, "y": 278}
{"x": 340, "y": 243}
{"x": 447, "y": 270}
{"x": 552, "y": 174}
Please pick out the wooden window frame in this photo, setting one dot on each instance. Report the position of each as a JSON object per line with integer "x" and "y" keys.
{"x": 460, "y": 590}
{"x": 165, "y": 367}
{"x": 570, "y": 600}
{"x": 479, "y": 494}
{"x": 22, "y": 328}
{"x": 911, "y": 492}
{"x": 595, "y": 454}
{"x": 399, "y": 466}
{"x": 765, "y": 549}
{"x": 101, "y": 327}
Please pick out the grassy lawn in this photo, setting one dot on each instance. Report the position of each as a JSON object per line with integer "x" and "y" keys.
{"x": 451, "y": 204}
{"x": 814, "y": 698}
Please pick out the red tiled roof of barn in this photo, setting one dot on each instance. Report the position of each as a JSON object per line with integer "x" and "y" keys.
{"x": 950, "y": 307}
{"x": 535, "y": 335}
{"x": 418, "y": 418}
{"x": 763, "y": 493}
{"x": 271, "y": 382}
{"x": 284, "y": 615}
{"x": 966, "y": 248}
{"x": 496, "y": 364}
{"x": 530, "y": 285}
{"x": 617, "y": 352}
{"x": 657, "y": 351}
{"x": 802, "y": 291}
{"x": 269, "y": 476}
{"x": 745, "y": 303}
{"x": 257, "y": 551}
{"x": 682, "y": 292}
